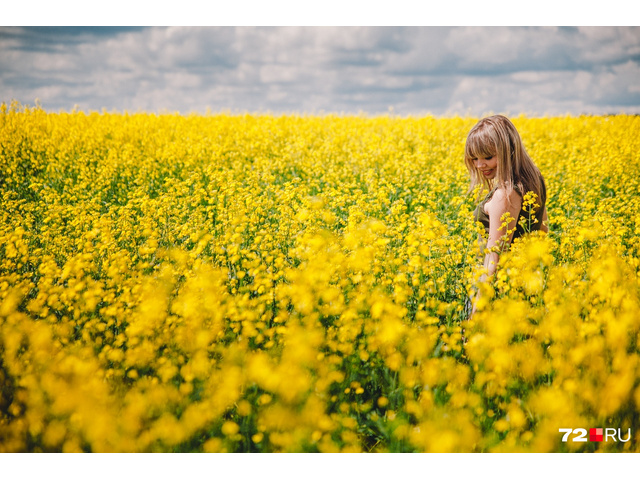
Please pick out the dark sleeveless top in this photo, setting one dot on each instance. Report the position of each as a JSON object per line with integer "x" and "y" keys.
{"x": 479, "y": 214}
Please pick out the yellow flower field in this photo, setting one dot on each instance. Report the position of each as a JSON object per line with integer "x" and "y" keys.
{"x": 260, "y": 283}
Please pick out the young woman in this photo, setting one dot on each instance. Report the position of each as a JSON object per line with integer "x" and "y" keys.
{"x": 496, "y": 158}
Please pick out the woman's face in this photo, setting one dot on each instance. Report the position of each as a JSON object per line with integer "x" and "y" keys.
{"x": 488, "y": 166}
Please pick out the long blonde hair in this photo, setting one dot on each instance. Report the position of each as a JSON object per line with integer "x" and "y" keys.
{"x": 497, "y": 136}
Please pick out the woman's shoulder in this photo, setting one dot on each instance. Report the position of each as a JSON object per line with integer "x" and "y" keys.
{"x": 501, "y": 193}
{"x": 504, "y": 199}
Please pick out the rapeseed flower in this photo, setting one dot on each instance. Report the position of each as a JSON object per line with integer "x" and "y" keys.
{"x": 298, "y": 283}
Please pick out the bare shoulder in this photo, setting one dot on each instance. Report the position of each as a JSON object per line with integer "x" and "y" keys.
{"x": 500, "y": 195}
{"x": 502, "y": 202}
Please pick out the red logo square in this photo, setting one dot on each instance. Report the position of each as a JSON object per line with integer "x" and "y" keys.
{"x": 595, "y": 434}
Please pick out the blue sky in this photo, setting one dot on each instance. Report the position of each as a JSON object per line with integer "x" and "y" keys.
{"x": 406, "y": 70}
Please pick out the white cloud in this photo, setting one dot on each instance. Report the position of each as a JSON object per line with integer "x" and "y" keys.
{"x": 415, "y": 70}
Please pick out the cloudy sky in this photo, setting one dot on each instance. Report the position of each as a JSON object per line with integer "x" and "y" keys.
{"x": 406, "y": 70}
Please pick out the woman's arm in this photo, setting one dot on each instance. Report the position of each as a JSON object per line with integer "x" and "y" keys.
{"x": 500, "y": 230}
